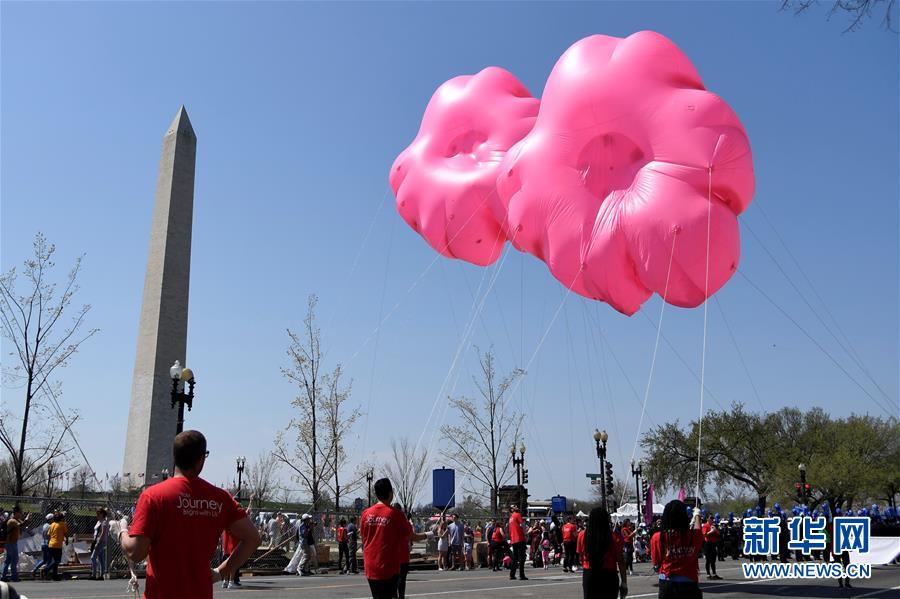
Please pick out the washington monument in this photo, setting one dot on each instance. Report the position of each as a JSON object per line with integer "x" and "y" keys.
{"x": 162, "y": 331}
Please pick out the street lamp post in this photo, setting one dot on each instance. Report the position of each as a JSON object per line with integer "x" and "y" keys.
{"x": 802, "y": 487}
{"x": 637, "y": 473}
{"x": 181, "y": 375}
{"x": 241, "y": 463}
{"x": 369, "y": 476}
{"x": 600, "y": 437}
{"x": 519, "y": 464}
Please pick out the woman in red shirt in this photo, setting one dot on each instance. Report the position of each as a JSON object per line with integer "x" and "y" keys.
{"x": 674, "y": 550}
{"x": 601, "y": 554}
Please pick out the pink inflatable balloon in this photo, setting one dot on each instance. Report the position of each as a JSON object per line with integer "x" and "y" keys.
{"x": 629, "y": 163}
{"x": 445, "y": 181}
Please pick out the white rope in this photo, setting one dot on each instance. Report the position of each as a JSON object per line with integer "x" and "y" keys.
{"x": 705, "y": 321}
{"x": 662, "y": 311}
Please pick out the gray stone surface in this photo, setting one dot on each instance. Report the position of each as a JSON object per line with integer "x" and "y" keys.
{"x": 162, "y": 332}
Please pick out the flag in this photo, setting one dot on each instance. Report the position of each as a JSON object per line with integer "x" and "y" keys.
{"x": 648, "y": 506}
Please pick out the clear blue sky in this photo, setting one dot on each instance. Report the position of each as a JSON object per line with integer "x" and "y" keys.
{"x": 300, "y": 109}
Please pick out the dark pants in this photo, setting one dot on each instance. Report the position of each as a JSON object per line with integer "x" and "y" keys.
{"x": 457, "y": 561}
{"x": 518, "y": 560}
{"x": 569, "y": 560}
{"x": 679, "y": 590}
{"x": 600, "y": 584}
{"x": 384, "y": 589}
{"x": 497, "y": 552}
{"x": 236, "y": 579}
{"x": 343, "y": 557}
{"x": 401, "y": 582}
{"x": 56, "y": 560}
{"x": 629, "y": 558}
{"x": 351, "y": 557}
{"x": 710, "y": 559}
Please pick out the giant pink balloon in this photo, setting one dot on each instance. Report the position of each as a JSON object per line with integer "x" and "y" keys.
{"x": 629, "y": 157}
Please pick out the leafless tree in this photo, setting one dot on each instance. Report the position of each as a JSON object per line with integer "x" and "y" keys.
{"x": 479, "y": 447}
{"x": 857, "y": 10}
{"x": 621, "y": 491}
{"x": 338, "y": 421}
{"x": 408, "y": 471}
{"x": 262, "y": 476}
{"x": 32, "y": 321}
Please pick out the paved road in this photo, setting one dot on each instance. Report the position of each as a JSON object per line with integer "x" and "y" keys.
{"x": 885, "y": 583}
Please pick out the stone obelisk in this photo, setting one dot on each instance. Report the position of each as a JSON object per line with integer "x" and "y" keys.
{"x": 162, "y": 333}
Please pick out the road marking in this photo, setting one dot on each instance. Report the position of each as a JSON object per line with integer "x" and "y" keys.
{"x": 479, "y": 590}
{"x": 716, "y": 586}
{"x": 878, "y": 592}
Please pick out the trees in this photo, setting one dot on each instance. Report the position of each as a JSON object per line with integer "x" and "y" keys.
{"x": 33, "y": 322}
{"x": 408, "y": 471}
{"x": 479, "y": 446}
{"x": 846, "y": 460}
{"x": 311, "y": 445}
{"x": 620, "y": 493}
{"x": 857, "y": 10}
{"x": 262, "y": 477}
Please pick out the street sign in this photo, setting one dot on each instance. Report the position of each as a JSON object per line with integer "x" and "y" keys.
{"x": 593, "y": 475}
{"x": 596, "y": 481}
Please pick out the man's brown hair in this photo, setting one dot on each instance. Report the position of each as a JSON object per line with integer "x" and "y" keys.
{"x": 188, "y": 448}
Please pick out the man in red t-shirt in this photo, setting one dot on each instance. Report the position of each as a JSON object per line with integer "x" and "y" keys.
{"x": 517, "y": 540}
{"x": 177, "y": 524}
{"x": 570, "y": 539}
{"x": 385, "y": 534}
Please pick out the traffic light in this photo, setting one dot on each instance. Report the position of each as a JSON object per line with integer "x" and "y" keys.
{"x": 645, "y": 491}
{"x": 525, "y": 476}
{"x": 807, "y": 491}
{"x": 609, "y": 479}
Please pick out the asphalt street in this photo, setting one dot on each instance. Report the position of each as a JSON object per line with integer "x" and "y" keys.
{"x": 553, "y": 583}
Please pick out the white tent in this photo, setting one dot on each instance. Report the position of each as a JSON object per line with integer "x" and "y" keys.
{"x": 630, "y": 511}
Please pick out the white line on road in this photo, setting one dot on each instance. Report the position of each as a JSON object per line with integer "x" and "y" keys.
{"x": 878, "y": 592}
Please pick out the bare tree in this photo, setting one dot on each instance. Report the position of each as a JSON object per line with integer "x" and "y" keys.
{"x": 338, "y": 422}
{"x": 262, "y": 476}
{"x": 479, "y": 446}
{"x": 857, "y": 10}
{"x": 621, "y": 490}
{"x": 408, "y": 471}
{"x": 33, "y": 322}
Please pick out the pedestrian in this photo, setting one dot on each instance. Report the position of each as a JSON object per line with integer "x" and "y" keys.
{"x": 404, "y": 550}
{"x": 674, "y": 550}
{"x": 343, "y": 550}
{"x": 45, "y": 548}
{"x": 498, "y": 540}
{"x": 352, "y": 536}
{"x": 601, "y": 554}
{"x": 628, "y": 534}
{"x": 57, "y": 537}
{"x": 468, "y": 545}
{"x": 545, "y": 549}
{"x": 488, "y": 538}
{"x": 456, "y": 543}
{"x": 13, "y": 531}
{"x": 517, "y": 540}
{"x": 570, "y": 539}
{"x": 309, "y": 561}
{"x": 177, "y": 525}
{"x": 384, "y": 532}
{"x": 296, "y": 531}
{"x": 98, "y": 545}
{"x": 711, "y": 538}
{"x": 443, "y": 546}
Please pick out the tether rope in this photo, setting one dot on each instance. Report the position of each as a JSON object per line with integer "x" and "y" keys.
{"x": 705, "y": 323}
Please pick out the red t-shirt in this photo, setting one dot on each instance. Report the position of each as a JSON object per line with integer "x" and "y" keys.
{"x": 610, "y": 559}
{"x": 682, "y": 549}
{"x": 516, "y": 535}
{"x": 341, "y": 534}
{"x": 183, "y": 518}
{"x": 497, "y": 535}
{"x": 229, "y": 542}
{"x": 628, "y": 535}
{"x": 711, "y": 533}
{"x": 384, "y": 531}
{"x": 569, "y": 531}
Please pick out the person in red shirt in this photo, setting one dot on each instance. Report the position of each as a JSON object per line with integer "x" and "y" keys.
{"x": 711, "y": 538}
{"x": 498, "y": 546}
{"x": 628, "y": 537}
{"x": 343, "y": 547}
{"x": 570, "y": 539}
{"x": 177, "y": 524}
{"x": 601, "y": 555}
{"x": 386, "y": 533}
{"x": 517, "y": 540}
{"x": 674, "y": 550}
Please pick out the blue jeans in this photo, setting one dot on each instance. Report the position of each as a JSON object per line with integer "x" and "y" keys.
{"x": 12, "y": 560}
{"x": 98, "y": 561}
{"x": 45, "y": 559}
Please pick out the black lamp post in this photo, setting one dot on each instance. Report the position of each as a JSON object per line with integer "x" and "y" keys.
{"x": 519, "y": 463}
{"x": 600, "y": 437}
{"x": 180, "y": 374}
{"x": 636, "y": 473}
{"x": 369, "y": 476}
{"x": 802, "y": 487}
{"x": 241, "y": 462}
